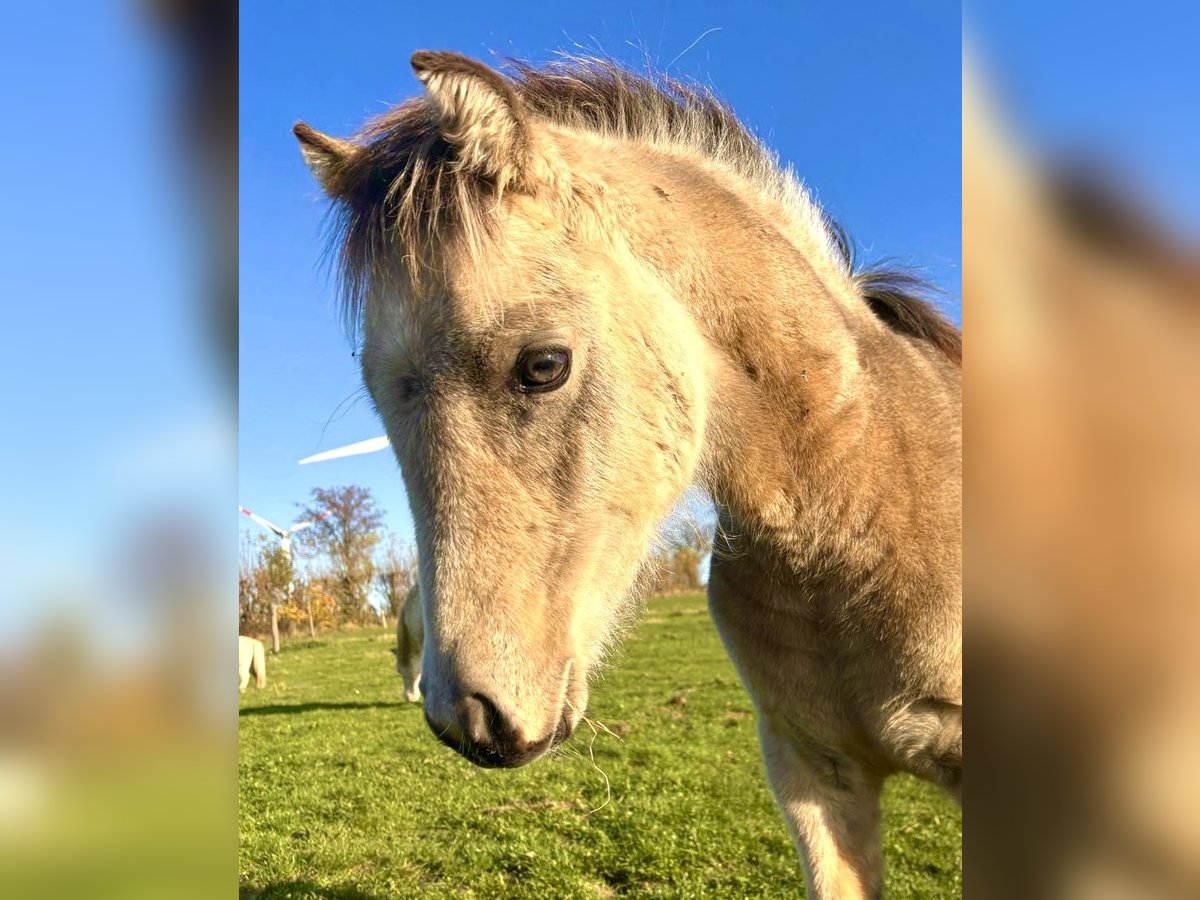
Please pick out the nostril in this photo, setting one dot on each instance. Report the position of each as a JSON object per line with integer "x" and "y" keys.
{"x": 490, "y": 726}
{"x": 480, "y": 731}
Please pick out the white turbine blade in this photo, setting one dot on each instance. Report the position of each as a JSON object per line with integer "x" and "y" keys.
{"x": 263, "y": 522}
{"x": 300, "y": 526}
{"x": 373, "y": 445}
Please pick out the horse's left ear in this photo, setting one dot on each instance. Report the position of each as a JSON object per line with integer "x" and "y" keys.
{"x": 327, "y": 157}
{"x": 481, "y": 115}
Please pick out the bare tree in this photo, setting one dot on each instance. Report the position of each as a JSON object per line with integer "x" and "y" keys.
{"x": 346, "y": 532}
{"x": 279, "y": 576}
{"x": 264, "y": 576}
{"x": 687, "y": 540}
{"x": 397, "y": 573}
{"x": 251, "y": 588}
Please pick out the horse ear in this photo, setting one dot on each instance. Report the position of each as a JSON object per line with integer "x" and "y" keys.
{"x": 327, "y": 157}
{"x": 481, "y": 114}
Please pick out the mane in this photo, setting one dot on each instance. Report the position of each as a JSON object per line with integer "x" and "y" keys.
{"x": 404, "y": 188}
{"x": 898, "y": 298}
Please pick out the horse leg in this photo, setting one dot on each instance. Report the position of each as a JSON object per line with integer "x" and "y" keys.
{"x": 410, "y": 636}
{"x": 414, "y": 696}
{"x": 412, "y": 679}
{"x": 831, "y": 805}
{"x": 405, "y": 651}
{"x": 260, "y": 666}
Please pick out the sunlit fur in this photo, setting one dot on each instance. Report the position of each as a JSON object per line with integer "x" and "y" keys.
{"x": 719, "y": 336}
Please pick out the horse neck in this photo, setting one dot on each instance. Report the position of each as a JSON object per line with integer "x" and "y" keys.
{"x": 798, "y": 447}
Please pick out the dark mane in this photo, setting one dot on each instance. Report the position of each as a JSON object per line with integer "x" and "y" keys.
{"x": 1100, "y": 211}
{"x": 902, "y": 300}
{"x": 899, "y": 299}
{"x": 403, "y": 186}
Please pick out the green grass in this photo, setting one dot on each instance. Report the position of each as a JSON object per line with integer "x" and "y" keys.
{"x": 345, "y": 793}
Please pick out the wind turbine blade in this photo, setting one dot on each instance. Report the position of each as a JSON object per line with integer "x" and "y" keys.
{"x": 373, "y": 445}
{"x": 300, "y": 526}
{"x": 270, "y": 526}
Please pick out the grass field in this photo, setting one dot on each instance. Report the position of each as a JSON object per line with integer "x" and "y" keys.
{"x": 345, "y": 793}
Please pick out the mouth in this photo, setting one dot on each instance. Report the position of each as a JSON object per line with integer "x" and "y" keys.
{"x": 488, "y": 757}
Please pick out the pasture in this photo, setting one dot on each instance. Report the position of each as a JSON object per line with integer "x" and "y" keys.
{"x": 345, "y": 794}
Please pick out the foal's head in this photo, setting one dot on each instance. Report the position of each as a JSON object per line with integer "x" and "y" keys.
{"x": 543, "y": 395}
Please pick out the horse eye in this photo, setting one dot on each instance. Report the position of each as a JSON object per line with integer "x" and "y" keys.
{"x": 543, "y": 370}
{"x": 408, "y": 387}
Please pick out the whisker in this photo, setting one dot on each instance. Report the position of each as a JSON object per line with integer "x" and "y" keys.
{"x": 343, "y": 408}
{"x": 592, "y": 754}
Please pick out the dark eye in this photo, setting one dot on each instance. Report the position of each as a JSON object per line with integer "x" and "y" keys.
{"x": 543, "y": 369}
{"x": 408, "y": 387}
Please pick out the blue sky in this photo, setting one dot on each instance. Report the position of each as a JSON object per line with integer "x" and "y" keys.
{"x": 115, "y": 414}
{"x": 1107, "y": 81}
{"x": 863, "y": 99}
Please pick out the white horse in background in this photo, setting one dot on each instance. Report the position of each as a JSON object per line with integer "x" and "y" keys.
{"x": 410, "y": 636}
{"x": 251, "y": 654}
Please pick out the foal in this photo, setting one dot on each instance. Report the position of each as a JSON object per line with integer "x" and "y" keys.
{"x": 579, "y": 291}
